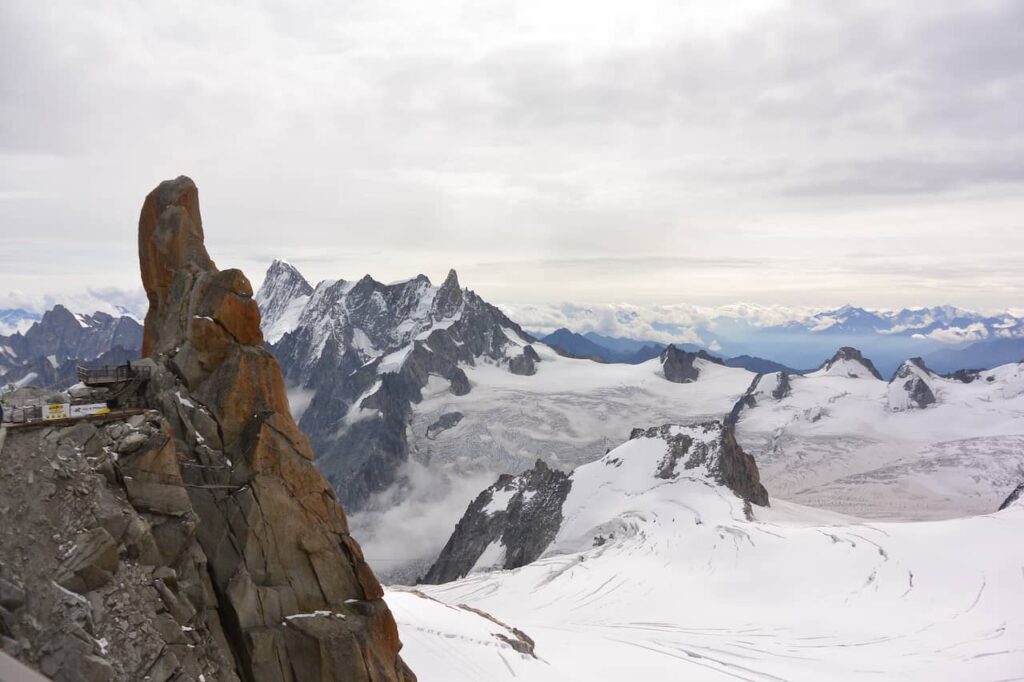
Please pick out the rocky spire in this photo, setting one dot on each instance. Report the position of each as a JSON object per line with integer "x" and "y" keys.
{"x": 277, "y": 542}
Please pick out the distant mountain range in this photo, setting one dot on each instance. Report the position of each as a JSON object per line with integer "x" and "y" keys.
{"x": 593, "y": 346}
{"x": 611, "y": 349}
{"x": 48, "y": 351}
{"x": 14, "y": 320}
{"x": 948, "y": 338}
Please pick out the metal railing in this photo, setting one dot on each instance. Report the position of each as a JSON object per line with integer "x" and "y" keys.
{"x": 108, "y": 374}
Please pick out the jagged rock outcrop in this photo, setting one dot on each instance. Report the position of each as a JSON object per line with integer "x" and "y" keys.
{"x": 365, "y": 350}
{"x": 774, "y": 386}
{"x": 276, "y": 539}
{"x": 679, "y": 366}
{"x": 448, "y": 420}
{"x": 964, "y": 376}
{"x": 517, "y": 518}
{"x": 849, "y": 362}
{"x": 910, "y": 387}
{"x": 722, "y": 459}
{"x": 524, "y": 364}
{"x": 1013, "y": 498}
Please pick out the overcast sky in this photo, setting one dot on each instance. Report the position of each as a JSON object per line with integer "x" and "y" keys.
{"x": 644, "y": 151}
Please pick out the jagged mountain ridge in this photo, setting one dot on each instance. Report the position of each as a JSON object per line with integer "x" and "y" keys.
{"x": 365, "y": 350}
{"x": 47, "y": 352}
{"x": 948, "y": 338}
{"x": 513, "y": 522}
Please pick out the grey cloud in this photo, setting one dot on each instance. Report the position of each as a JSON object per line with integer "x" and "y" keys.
{"x": 355, "y": 137}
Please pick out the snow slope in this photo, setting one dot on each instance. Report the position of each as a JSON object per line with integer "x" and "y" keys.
{"x": 569, "y": 413}
{"x": 854, "y": 445}
{"x": 684, "y": 586}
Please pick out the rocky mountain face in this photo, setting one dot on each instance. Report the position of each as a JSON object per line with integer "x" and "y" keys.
{"x": 521, "y": 513}
{"x": 513, "y": 522}
{"x": 1013, "y": 498}
{"x": 52, "y": 347}
{"x": 365, "y": 350}
{"x": 221, "y": 552}
{"x": 910, "y": 387}
{"x": 65, "y": 335}
{"x": 281, "y": 297}
{"x": 678, "y": 364}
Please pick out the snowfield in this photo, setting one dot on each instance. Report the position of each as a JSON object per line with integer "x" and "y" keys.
{"x": 839, "y": 443}
{"x": 834, "y": 442}
{"x": 569, "y": 413}
{"x": 686, "y": 587}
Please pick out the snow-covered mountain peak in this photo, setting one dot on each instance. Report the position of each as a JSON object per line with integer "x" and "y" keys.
{"x": 912, "y": 386}
{"x": 361, "y": 352}
{"x": 848, "y": 362}
{"x": 281, "y": 298}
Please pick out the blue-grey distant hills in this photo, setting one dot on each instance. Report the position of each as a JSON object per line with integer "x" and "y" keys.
{"x": 612, "y": 349}
{"x": 605, "y": 349}
{"x": 947, "y": 337}
{"x": 49, "y": 350}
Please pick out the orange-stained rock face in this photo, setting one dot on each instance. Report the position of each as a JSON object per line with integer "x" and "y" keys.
{"x": 275, "y": 537}
{"x": 170, "y": 239}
